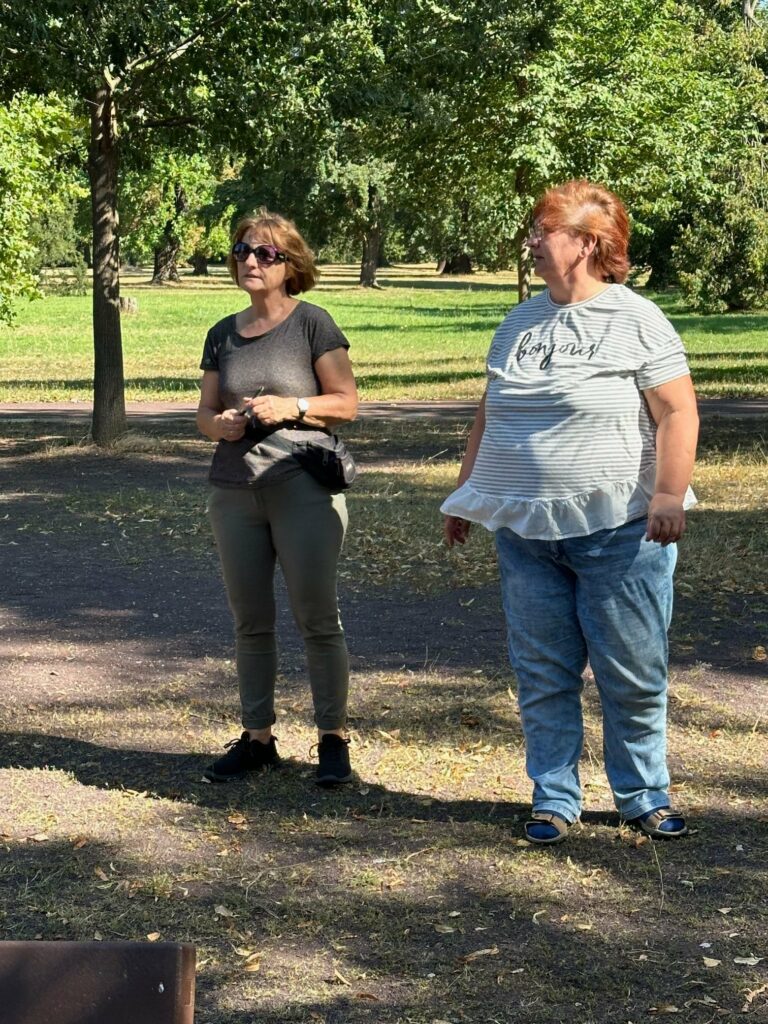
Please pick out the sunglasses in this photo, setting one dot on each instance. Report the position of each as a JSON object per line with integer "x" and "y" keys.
{"x": 266, "y": 255}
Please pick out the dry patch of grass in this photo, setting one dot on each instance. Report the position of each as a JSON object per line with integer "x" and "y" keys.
{"x": 395, "y": 533}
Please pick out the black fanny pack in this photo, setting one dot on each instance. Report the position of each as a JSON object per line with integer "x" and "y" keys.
{"x": 328, "y": 460}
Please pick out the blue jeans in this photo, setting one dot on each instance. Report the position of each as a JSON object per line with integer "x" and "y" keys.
{"x": 607, "y": 599}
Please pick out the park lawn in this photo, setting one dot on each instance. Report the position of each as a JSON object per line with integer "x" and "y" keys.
{"x": 408, "y": 897}
{"x": 420, "y": 337}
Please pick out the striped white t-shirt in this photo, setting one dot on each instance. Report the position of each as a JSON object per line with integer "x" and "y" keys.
{"x": 569, "y": 445}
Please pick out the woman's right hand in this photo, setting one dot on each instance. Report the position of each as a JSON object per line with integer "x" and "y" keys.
{"x": 455, "y": 530}
{"x": 231, "y": 425}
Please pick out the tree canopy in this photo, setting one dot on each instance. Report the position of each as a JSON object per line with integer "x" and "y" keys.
{"x": 430, "y": 124}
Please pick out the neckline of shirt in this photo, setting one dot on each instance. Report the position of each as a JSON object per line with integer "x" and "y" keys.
{"x": 576, "y": 305}
{"x": 255, "y": 337}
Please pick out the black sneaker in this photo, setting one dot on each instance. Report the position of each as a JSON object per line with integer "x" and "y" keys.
{"x": 334, "y": 760}
{"x": 243, "y": 756}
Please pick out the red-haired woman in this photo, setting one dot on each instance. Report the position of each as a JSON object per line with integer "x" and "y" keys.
{"x": 580, "y": 461}
{"x": 274, "y": 373}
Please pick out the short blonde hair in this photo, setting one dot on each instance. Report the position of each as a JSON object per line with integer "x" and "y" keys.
{"x": 588, "y": 209}
{"x": 287, "y": 238}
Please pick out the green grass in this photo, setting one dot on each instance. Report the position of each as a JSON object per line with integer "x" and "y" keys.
{"x": 420, "y": 337}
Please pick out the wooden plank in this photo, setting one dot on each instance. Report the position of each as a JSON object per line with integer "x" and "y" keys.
{"x": 97, "y": 983}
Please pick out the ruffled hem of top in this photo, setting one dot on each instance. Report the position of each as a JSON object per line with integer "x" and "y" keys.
{"x": 602, "y": 508}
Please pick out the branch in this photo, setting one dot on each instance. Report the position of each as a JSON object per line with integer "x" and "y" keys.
{"x": 154, "y": 60}
{"x": 169, "y": 122}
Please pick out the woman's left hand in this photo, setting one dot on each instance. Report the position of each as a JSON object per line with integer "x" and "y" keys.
{"x": 666, "y": 519}
{"x": 271, "y": 409}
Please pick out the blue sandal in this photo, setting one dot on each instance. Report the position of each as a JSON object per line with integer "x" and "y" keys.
{"x": 661, "y": 823}
{"x": 545, "y": 828}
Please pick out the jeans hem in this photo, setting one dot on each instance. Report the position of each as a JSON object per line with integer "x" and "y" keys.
{"x": 648, "y": 804}
{"x": 568, "y": 813}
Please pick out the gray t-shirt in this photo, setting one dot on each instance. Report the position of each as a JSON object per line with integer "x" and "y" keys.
{"x": 280, "y": 362}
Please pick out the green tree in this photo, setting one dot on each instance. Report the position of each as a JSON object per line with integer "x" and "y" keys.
{"x": 189, "y": 75}
{"x": 34, "y": 133}
{"x": 166, "y": 211}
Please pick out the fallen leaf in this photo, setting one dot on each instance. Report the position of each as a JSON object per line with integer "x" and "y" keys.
{"x": 97, "y": 936}
{"x": 537, "y": 915}
{"x": 750, "y": 961}
{"x": 584, "y": 927}
{"x": 665, "y": 1008}
{"x": 709, "y": 962}
{"x": 222, "y": 911}
{"x": 759, "y": 653}
{"x": 79, "y": 843}
{"x": 153, "y": 936}
{"x": 493, "y": 951}
{"x": 725, "y": 910}
{"x": 751, "y": 996}
{"x": 444, "y": 929}
{"x": 39, "y": 837}
{"x": 101, "y": 873}
{"x": 252, "y": 966}
{"x": 367, "y": 995}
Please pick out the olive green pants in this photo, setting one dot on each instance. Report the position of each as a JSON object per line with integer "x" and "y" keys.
{"x": 300, "y": 524}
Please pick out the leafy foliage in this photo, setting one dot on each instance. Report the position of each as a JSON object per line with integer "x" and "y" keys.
{"x": 722, "y": 255}
{"x": 33, "y": 134}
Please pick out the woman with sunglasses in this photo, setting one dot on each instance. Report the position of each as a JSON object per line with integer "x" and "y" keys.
{"x": 276, "y": 372}
{"x": 580, "y": 461}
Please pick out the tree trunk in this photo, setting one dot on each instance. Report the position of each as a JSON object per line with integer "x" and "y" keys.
{"x": 458, "y": 263}
{"x": 165, "y": 268}
{"x": 382, "y": 261}
{"x": 84, "y": 249}
{"x": 748, "y": 9}
{"x": 108, "y": 380}
{"x": 199, "y": 265}
{"x": 372, "y": 240}
{"x": 524, "y": 261}
{"x": 167, "y": 253}
{"x": 524, "y": 273}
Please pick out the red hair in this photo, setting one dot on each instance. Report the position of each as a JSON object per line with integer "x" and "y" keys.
{"x": 587, "y": 209}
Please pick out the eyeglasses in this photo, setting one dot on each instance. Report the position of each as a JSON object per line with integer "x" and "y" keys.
{"x": 537, "y": 232}
{"x": 266, "y": 255}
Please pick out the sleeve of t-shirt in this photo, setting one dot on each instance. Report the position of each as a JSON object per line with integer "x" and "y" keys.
{"x": 323, "y": 333}
{"x": 663, "y": 356}
{"x": 210, "y": 360}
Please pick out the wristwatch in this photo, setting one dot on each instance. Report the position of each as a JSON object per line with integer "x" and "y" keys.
{"x": 303, "y": 405}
